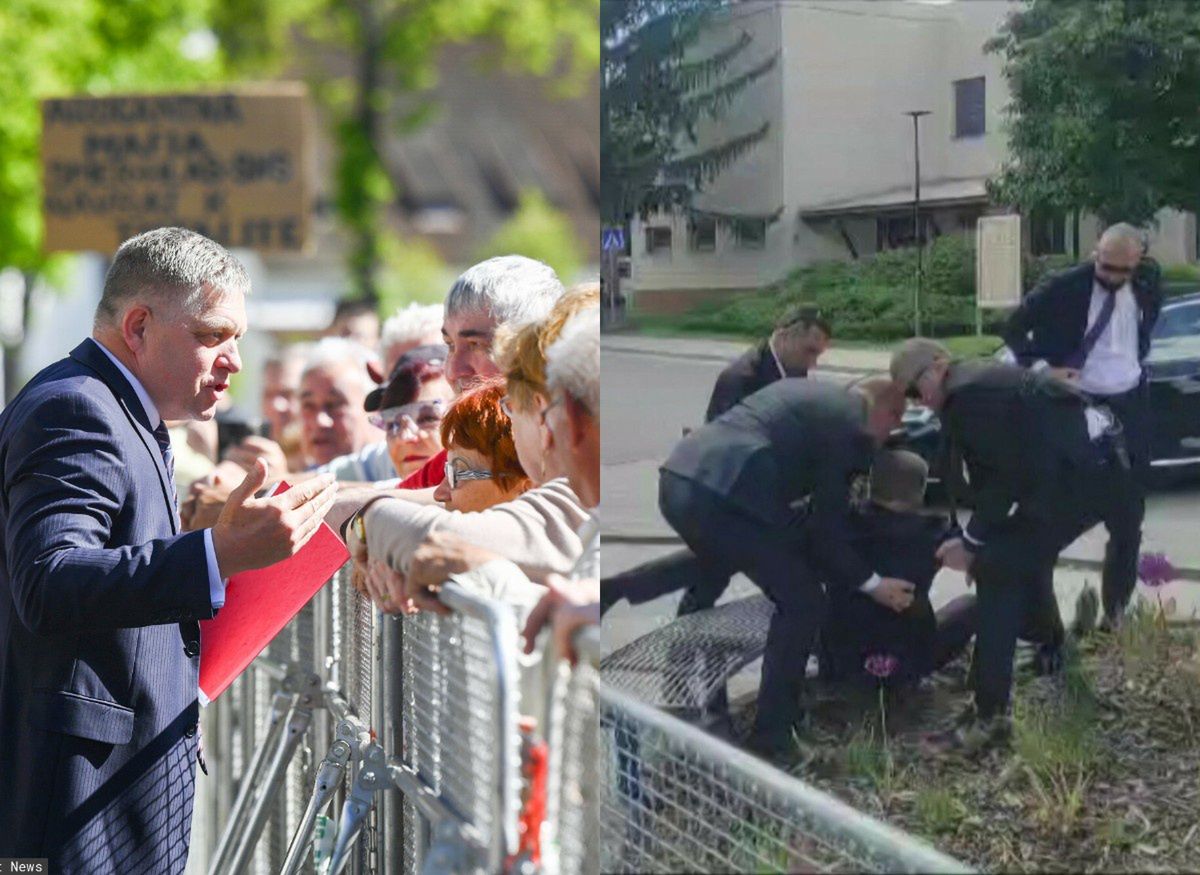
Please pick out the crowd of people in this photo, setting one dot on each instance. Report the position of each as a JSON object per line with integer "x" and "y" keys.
{"x": 797, "y": 484}
{"x": 455, "y": 442}
{"x": 484, "y": 453}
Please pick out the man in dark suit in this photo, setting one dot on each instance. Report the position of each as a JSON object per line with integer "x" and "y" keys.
{"x": 800, "y": 338}
{"x": 1044, "y": 467}
{"x": 1091, "y": 326}
{"x": 99, "y": 592}
{"x": 798, "y": 341}
{"x": 765, "y": 489}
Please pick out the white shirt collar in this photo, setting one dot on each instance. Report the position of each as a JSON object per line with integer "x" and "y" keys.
{"x": 775, "y": 355}
{"x": 138, "y": 388}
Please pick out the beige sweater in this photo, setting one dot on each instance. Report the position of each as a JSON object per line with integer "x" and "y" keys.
{"x": 538, "y": 531}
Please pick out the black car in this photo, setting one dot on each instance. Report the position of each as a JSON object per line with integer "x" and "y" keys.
{"x": 1173, "y": 371}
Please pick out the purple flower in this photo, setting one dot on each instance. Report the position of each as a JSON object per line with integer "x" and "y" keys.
{"x": 881, "y": 665}
{"x": 1155, "y": 569}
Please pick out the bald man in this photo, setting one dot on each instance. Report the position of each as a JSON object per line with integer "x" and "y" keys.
{"x": 1091, "y": 326}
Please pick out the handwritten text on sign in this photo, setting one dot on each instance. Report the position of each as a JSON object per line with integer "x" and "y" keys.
{"x": 233, "y": 166}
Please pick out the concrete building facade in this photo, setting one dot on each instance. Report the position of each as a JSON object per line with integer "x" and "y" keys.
{"x": 833, "y": 177}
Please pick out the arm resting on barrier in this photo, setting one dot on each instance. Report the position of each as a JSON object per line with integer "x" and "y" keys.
{"x": 538, "y": 531}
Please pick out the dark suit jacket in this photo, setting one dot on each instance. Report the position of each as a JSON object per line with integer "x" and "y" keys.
{"x": 1052, "y": 319}
{"x": 1020, "y": 433}
{"x": 787, "y": 455}
{"x": 747, "y": 374}
{"x": 99, "y": 644}
{"x": 897, "y": 545}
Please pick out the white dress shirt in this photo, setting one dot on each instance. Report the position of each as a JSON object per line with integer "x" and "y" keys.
{"x": 216, "y": 586}
{"x": 1112, "y": 367}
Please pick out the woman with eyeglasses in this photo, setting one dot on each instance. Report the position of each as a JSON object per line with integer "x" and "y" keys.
{"x": 409, "y": 409}
{"x": 541, "y": 532}
{"x": 481, "y": 461}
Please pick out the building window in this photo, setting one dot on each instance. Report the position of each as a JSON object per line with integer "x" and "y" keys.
{"x": 1047, "y": 234}
{"x": 702, "y": 234}
{"x": 750, "y": 233}
{"x": 969, "y": 116}
{"x": 658, "y": 239}
{"x": 893, "y": 232}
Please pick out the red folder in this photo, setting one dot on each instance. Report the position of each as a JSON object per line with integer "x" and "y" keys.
{"x": 260, "y": 603}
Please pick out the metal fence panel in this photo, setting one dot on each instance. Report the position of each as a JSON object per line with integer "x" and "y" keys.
{"x": 676, "y": 799}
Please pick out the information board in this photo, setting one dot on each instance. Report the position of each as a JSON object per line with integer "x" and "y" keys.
{"x": 998, "y": 261}
{"x": 236, "y": 166}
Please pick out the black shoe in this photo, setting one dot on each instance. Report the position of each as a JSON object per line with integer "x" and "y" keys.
{"x": 1112, "y": 622}
{"x": 608, "y": 596}
{"x": 691, "y": 604}
{"x": 1048, "y": 660}
{"x": 772, "y": 747}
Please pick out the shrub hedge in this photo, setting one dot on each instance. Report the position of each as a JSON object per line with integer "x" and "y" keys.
{"x": 872, "y": 298}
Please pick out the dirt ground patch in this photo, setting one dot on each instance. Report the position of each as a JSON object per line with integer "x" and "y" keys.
{"x": 1102, "y": 775}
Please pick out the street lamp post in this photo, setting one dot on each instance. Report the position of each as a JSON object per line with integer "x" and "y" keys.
{"x": 916, "y": 117}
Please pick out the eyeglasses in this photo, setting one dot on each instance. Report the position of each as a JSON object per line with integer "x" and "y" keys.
{"x": 506, "y": 407}
{"x": 458, "y": 472}
{"x": 548, "y": 408}
{"x": 419, "y": 414}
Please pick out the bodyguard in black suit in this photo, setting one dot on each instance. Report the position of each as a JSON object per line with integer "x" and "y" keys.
{"x": 1092, "y": 326}
{"x": 765, "y": 489}
{"x": 99, "y": 590}
{"x": 1044, "y": 467}
{"x": 799, "y": 339}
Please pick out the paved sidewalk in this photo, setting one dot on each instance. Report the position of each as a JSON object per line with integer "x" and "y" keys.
{"x": 836, "y": 359}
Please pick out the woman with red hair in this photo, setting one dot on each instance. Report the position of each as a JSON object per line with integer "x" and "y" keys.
{"x": 482, "y": 469}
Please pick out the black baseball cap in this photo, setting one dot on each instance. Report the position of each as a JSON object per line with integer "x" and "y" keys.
{"x": 434, "y": 354}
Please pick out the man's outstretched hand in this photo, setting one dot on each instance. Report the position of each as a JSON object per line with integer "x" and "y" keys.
{"x": 256, "y": 532}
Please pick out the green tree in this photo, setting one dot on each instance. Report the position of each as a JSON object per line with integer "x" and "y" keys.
{"x": 1105, "y": 111}
{"x": 63, "y": 47}
{"x": 657, "y": 84}
{"x": 539, "y": 231}
{"x": 392, "y": 48}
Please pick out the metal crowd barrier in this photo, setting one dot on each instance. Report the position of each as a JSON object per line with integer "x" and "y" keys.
{"x": 365, "y": 743}
{"x": 676, "y": 799}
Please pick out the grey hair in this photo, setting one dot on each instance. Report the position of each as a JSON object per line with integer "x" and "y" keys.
{"x": 339, "y": 350}
{"x": 514, "y": 289}
{"x": 410, "y": 324}
{"x": 1126, "y": 233}
{"x": 169, "y": 264}
{"x": 573, "y": 361}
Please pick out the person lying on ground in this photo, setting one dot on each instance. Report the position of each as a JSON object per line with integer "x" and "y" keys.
{"x": 894, "y": 534}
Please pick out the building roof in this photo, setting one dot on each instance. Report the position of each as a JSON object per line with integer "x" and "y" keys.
{"x": 934, "y": 193}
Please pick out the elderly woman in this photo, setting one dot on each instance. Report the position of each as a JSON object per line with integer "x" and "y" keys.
{"x": 410, "y": 407}
{"x": 482, "y": 468}
{"x": 539, "y": 532}
{"x": 573, "y": 418}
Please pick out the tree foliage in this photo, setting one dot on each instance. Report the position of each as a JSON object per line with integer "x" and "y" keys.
{"x": 386, "y": 47}
{"x": 538, "y": 230}
{"x": 657, "y": 84}
{"x": 392, "y": 48}
{"x": 1105, "y": 112}
{"x": 62, "y": 47}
